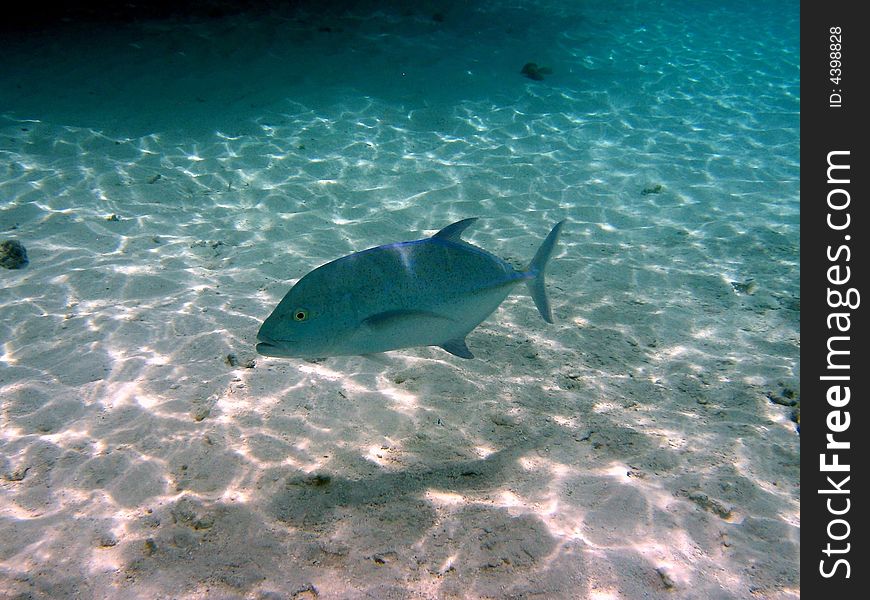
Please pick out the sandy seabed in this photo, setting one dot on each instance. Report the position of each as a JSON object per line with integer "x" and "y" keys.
{"x": 641, "y": 447}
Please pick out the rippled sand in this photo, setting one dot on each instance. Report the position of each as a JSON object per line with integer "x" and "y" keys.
{"x": 171, "y": 183}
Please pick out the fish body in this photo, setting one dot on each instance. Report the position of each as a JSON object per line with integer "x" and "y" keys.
{"x": 428, "y": 292}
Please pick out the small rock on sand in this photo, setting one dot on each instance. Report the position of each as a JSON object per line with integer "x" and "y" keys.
{"x": 13, "y": 255}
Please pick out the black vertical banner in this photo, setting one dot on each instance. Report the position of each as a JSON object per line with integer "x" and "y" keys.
{"x": 835, "y": 367}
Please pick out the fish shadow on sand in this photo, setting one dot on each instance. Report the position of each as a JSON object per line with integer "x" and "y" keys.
{"x": 308, "y": 500}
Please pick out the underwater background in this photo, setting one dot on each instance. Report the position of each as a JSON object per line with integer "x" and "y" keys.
{"x": 172, "y": 173}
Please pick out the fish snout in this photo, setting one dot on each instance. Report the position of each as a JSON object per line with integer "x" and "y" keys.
{"x": 270, "y": 347}
{"x": 266, "y": 349}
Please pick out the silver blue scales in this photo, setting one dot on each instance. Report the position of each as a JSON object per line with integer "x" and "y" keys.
{"x": 429, "y": 292}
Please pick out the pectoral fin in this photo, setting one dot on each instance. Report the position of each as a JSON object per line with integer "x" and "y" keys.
{"x": 393, "y": 318}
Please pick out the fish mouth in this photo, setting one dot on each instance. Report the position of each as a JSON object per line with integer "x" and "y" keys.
{"x": 270, "y": 347}
{"x": 266, "y": 348}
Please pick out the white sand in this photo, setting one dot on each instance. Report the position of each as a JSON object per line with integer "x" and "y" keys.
{"x": 628, "y": 451}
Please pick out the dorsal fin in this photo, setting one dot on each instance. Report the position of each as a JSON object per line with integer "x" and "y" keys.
{"x": 454, "y": 231}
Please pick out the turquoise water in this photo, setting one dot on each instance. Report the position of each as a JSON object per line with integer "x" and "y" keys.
{"x": 171, "y": 178}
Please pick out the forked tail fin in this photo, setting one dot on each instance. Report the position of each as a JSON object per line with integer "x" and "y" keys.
{"x": 536, "y": 272}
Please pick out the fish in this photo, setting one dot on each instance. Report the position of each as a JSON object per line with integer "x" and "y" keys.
{"x": 428, "y": 292}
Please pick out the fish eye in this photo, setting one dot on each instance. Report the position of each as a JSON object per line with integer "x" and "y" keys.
{"x": 300, "y": 314}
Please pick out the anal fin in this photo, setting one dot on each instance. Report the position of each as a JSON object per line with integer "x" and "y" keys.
{"x": 457, "y": 347}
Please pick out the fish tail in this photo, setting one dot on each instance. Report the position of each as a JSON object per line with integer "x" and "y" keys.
{"x": 536, "y": 270}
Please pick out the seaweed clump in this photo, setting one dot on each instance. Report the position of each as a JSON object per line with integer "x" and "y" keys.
{"x": 13, "y": 255}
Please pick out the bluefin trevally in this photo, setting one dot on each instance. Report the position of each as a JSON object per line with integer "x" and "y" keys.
{"x": 429, "y": 292}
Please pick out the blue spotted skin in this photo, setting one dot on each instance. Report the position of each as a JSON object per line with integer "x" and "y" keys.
{"x": 429, "y": 292}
